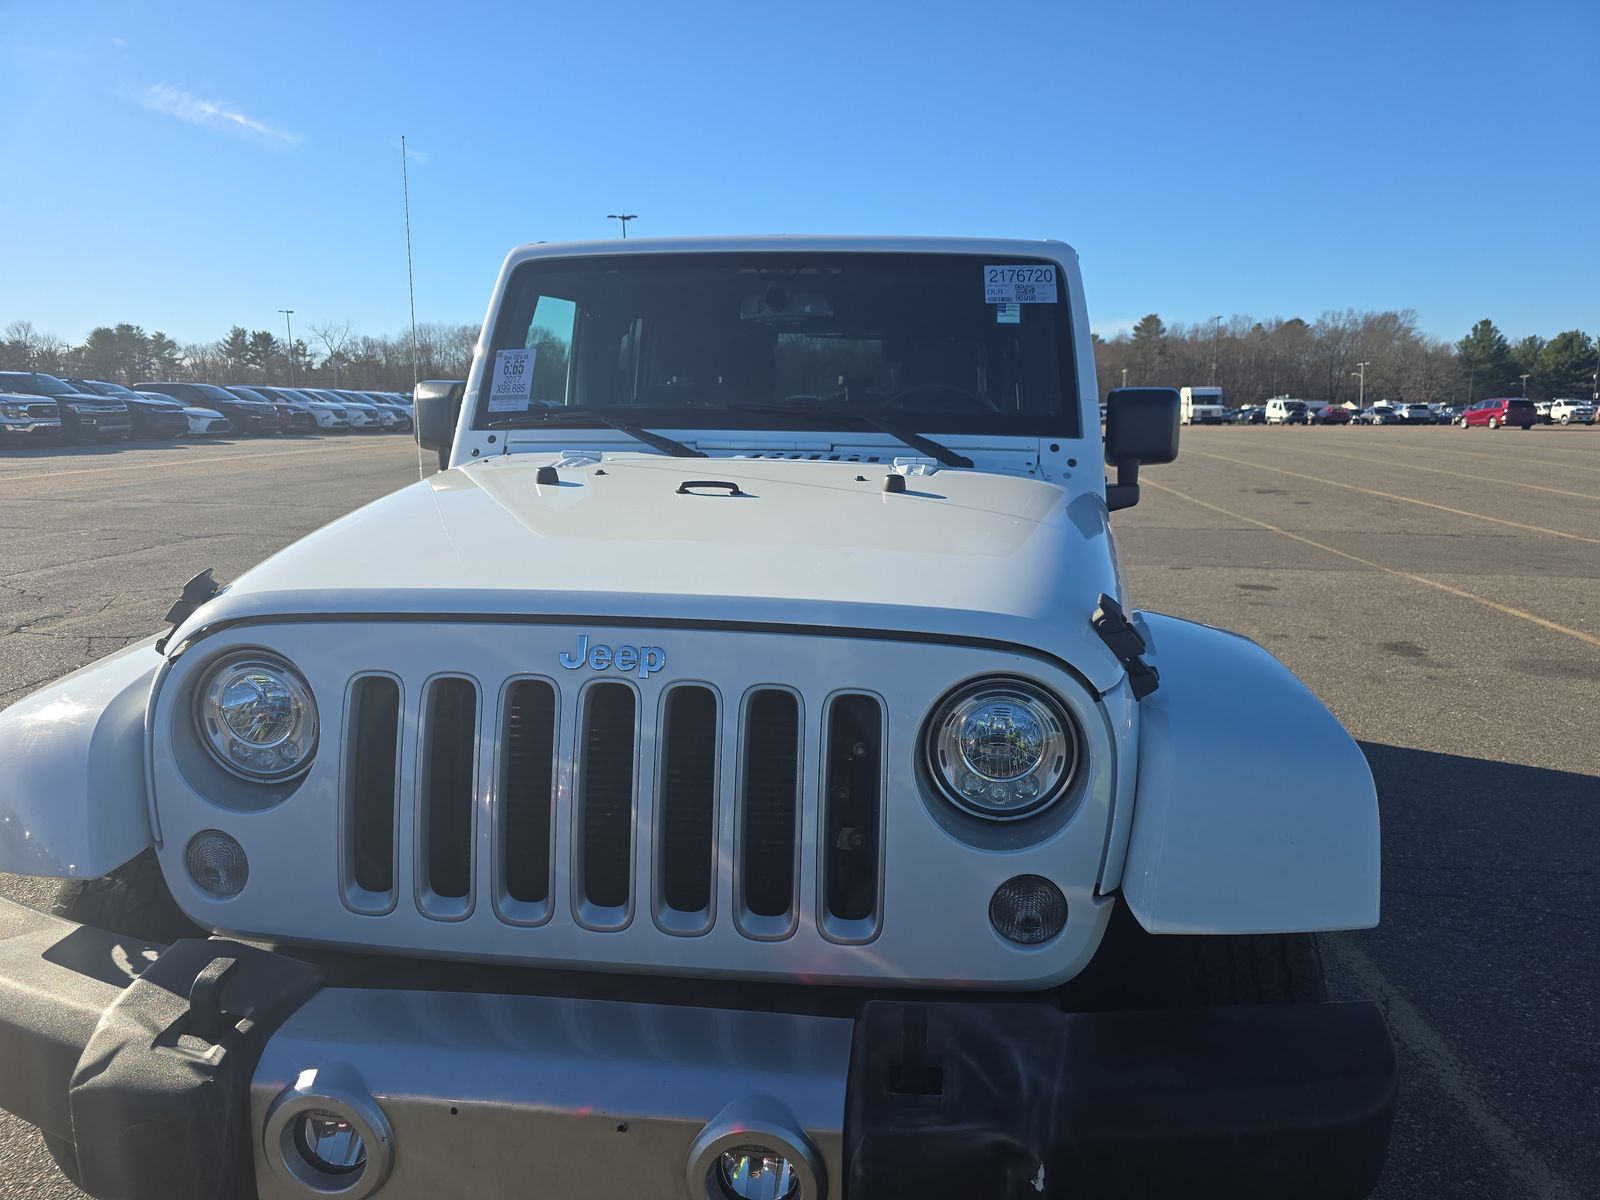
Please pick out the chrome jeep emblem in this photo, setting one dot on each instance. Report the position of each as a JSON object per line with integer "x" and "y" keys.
{"x": 646, "y": 660}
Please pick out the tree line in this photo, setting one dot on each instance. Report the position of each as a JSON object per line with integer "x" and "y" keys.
{"x": 333, "y": 356}
{"x": 1251, "y": 360}
{"x": 1326, "y": 359}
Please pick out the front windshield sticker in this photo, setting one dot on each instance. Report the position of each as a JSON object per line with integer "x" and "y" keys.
{"x": 1019, "y": 285}
{"x": 512, "y": 384}
{"x": 1008, "y": 314}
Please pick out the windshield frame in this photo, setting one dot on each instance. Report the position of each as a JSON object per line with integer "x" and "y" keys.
{"x": 508, "y": 331}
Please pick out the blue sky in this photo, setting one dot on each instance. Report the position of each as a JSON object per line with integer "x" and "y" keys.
{"x": 190, "y": 165}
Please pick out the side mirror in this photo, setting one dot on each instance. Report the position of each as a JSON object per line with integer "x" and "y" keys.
{"x": 438, "y": 406}
{"x": 1141, "y": 427}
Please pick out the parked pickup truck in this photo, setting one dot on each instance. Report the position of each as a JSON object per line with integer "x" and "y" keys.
{"x": 741, "y": 773}
{"x": 1568, "y": 412}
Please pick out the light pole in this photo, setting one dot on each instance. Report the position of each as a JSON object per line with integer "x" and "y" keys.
{"x": 1361, "y": 374}
{"x": 1124, "y": 376}
{"x": 288, "y": 347}
{"x": 1524, "y": 379}
{"x": 1216, "y": 336}
{"x": 624, "y": 218}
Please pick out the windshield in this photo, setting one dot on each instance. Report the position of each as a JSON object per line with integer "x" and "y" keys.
{"x": 696, "y": 340}
{"x": 38, "y": 385}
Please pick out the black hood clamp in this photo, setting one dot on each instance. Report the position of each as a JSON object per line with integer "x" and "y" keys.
{"x": 195, "y": 593}
{"x": 1123, "y": 640}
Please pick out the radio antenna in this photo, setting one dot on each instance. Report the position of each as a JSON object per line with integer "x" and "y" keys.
{"x": 411, "y": 291}
{"x": 411, "y": 283}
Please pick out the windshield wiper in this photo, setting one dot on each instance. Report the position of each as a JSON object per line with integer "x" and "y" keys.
{"x": 916, "y": 441}
{"x": 580, "y": 416}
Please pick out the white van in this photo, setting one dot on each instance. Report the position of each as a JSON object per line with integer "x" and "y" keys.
{"x": 1200, "y": 405}
{"x": 1283, "y": 410}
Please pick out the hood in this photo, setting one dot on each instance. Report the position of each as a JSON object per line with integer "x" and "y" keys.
{"x": 960, "y": 554}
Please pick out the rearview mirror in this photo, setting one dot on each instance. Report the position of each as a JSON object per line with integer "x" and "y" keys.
{"x": 438, "y": 407}
{"x": 1141, "y": 428}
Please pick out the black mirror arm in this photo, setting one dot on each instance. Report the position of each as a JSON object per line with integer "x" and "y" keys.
{"x": 1124, "y": 493}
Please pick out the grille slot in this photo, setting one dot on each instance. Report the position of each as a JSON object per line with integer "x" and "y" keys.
{"x": 769, "y": 804}
{"x": 371, "y": 776}
{"x": 851, "y": 815}
{"x": 527, "y": 795}
{"x": 450, "y": 729}
{"x": 606, "y": 800}
{"x": 686, "y": 802}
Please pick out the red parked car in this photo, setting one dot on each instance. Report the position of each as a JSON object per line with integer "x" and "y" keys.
{"x": 1332, "y": 415}
{"x": 1499, "y": 412}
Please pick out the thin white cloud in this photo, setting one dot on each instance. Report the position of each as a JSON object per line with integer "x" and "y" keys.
{"x": 196, "y": 110}
{"x": 421, "y": 157}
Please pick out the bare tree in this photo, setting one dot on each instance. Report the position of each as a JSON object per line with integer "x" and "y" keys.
{"x": 334, "y": 336}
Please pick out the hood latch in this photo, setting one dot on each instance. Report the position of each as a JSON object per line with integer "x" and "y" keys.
{"x": 1123, "y": 640}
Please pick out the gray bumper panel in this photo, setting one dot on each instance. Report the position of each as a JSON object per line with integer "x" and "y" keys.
{"x": 485, "y": 1096}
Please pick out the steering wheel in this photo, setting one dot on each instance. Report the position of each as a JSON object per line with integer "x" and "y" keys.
{"x": 967, "y": 397}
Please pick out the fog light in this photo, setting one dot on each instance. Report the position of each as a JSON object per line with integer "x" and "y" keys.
{"x": 329, "y": 1143}
{"x": 756, "y": 1173}
{"x": 1028, "y": 909}
{"x": 217, "y": 863}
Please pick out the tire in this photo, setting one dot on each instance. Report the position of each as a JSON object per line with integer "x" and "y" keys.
{"x": 1135, "y": 970}
{"x": 1493, "y": 424}
{"x": 132, "y": 901}
{"x": 1566, "y": 418}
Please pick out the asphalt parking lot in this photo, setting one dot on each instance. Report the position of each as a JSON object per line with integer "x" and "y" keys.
{"x": 1436, "y": 587}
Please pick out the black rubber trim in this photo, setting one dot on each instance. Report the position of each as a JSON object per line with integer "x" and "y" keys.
{"x": 608, "y": 622}
{"x": 1025, "y": 1102}
{"x": 160, "y": 1099}
{"x": 56, "y": 980}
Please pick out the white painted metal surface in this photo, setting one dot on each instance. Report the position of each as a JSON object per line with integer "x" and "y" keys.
{"x": 72, "y": 770}
{"x": 959, "y": 553}
{"x": 936, "y": 887}
{"x": 1255, "y": 810}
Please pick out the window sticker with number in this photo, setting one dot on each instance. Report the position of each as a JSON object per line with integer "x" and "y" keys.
{"x": 511, "y": 386}
{"x": 1022, "y": 284}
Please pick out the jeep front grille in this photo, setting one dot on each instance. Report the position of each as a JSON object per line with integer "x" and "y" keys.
{"x": 616, "y": 750}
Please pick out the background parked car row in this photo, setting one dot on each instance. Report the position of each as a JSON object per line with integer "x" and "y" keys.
{"x": 42, "y": 408}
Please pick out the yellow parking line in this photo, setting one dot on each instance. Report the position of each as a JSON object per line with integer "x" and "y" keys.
{"x": 1412, "y": 466}
{"x": 1460, "y": 512}
{"x": 1590, "y": 638}
{"x": 168, "y": 464}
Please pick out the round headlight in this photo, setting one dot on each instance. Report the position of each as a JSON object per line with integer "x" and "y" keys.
{"x": 257, "y": 717}
{"x": 1001, "y": 750}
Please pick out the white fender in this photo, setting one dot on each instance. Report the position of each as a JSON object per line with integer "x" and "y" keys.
{"x": 1254, "y": 810}
{"x": 72, "y": 770}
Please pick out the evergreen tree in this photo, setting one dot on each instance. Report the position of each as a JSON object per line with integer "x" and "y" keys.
{"x": 1484, "y": 361}
{"x": 1567, "y": 364}
{"x": 234, "y": 350}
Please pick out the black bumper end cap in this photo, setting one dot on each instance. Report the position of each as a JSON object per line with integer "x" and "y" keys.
{"x": 1023, "y": 1102}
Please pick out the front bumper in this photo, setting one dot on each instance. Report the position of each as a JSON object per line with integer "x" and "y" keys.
{"x": 33, "y": 428}
{"x": 177, "y": 1075}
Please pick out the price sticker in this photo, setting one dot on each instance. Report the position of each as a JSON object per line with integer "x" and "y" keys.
{"x": 1019, "y": 284}
{"x": 512, "y": 384}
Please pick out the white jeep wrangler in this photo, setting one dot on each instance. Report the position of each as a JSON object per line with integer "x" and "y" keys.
{"x": 739, "y": 775}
